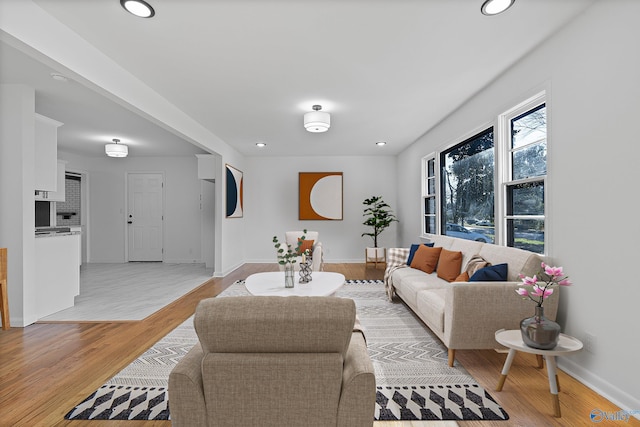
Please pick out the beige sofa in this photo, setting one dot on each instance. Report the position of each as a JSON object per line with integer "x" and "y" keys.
{"x": 466, "y": 315}
{"x": 272, "y": 362}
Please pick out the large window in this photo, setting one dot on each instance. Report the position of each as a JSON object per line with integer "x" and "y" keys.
{"x": 525, "y": 213}
{"x": 467, "y": 187}
{"x": 491, "y": 186}
{"x": 429, "y": 212}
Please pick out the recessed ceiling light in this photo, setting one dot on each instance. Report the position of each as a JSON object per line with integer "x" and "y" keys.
{"x": 261, "y": 144}
{"x": 381, "y": 143}
{"x": 59, "y": 77}
{"x": 494, "y": 7}
{"x": 139, "y": 8}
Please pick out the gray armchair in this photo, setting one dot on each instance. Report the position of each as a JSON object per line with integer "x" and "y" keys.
{"x": 274, "y": 361}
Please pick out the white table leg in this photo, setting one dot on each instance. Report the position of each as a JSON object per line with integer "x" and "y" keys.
{"x": 553, "y": 385}
{"x": 505, "y": 369}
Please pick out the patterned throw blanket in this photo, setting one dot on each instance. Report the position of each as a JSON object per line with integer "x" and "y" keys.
{"x": 396, "y": 258}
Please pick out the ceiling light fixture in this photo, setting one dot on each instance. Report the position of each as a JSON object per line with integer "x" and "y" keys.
{"x": 381, "y": 143}
{"x": 494, "y": 7}
{"x": 115, "y": 149}
{"x": 317, "y": 121}
{"x": 261, "y": 144}
{"x": 139, "y": 8}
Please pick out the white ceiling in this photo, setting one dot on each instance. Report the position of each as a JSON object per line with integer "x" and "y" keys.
{"x": 247, "y": 70}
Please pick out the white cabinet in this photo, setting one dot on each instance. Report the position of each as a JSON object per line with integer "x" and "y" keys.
{"x": 206, "y": 167}
{"x": 59, "y": 194}
{"x": 46, "y": 154}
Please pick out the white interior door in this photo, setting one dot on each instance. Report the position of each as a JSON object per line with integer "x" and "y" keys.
{"x": 145, "y": 215}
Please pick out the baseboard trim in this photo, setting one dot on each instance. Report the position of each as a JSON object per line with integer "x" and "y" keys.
{"x": 607, "y": 390}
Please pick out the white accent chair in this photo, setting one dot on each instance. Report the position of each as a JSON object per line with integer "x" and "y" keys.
{"x": 291, "y": 239}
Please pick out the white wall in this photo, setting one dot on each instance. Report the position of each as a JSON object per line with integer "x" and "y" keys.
{"x": 17, "y": 205}
{"x": 591, "y": 70}
{"x": 271, "y": 204}
{"x": 107, "y": 210}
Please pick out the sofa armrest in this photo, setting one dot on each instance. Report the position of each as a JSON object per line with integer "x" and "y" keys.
{"x": 317, "y": 257}
{"x": 475, "y": 310}
{"x": 186, "y": 394}
{"x": 358, "y": 397}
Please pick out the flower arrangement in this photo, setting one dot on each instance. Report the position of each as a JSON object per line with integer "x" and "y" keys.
{"x": 541, "y": 284}
{"x": 289, "y": 256}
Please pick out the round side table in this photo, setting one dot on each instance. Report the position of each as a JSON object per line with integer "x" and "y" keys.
{"x": 512, "y": 339}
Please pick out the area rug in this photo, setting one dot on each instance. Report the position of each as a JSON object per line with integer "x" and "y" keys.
{"x": 413, "y": 379}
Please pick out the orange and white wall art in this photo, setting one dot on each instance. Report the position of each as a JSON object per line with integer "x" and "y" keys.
{"x": 320, "y": 195}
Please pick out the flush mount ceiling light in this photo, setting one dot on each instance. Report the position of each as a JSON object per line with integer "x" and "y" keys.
{"x": 261, "y": 144}
{"x": 139, "y": 8}
{"x": 381, "y": 143}
{"x": 115, "y": 149}
{"x": 494, "y": 7}
{"x": 317, "y": 121}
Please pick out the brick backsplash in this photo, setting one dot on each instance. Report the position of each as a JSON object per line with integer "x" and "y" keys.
{"x": 71, "y": 203}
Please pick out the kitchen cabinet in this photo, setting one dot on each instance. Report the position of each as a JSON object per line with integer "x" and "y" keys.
{"x": 57, "y": 272}
{"x": 46, "y": 154}
{"x": 59, "y": 194}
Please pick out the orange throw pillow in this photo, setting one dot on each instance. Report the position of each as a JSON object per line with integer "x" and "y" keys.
{"x": 306, "y": 244}
{"x": 426, "y": 259}
{"x": 449, "y": 265}
{"x": 463, "y": 277}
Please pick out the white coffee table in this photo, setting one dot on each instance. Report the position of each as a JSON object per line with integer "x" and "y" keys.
{"x": 323, "y": 284}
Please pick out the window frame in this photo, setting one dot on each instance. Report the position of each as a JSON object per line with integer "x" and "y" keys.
{"x": 503, "y": 171}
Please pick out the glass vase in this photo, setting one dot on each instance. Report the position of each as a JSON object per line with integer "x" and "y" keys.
{"x": 289, "y": 278}
{"x": 540, "y": 332}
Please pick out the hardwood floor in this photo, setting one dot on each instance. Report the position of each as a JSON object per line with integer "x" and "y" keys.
{"x": 46, "y": 369}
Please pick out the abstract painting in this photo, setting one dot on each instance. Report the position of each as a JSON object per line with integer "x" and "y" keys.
{"x": 234, "y": 192}
{"x": 320, "y": 195}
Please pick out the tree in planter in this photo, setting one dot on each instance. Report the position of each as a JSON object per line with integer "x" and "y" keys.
{"x": 379, "y": 217}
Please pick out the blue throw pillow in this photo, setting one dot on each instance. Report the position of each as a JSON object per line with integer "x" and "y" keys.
{"x": 413, "y": 250}
{"x": 493, "y": 273}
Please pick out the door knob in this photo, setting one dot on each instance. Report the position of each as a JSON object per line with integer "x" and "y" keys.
{"x": 129, "y": 222}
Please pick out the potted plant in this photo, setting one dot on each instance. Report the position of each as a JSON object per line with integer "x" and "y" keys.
{"x": 379, "y": 216}
{"x": 288, "y": 257}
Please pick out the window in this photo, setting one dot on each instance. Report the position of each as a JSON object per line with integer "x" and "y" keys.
{"x": 491, "y": 187}
{"x": 429, "y": 195}
{"x": 525, "y": 186}
{"x": 467, "y": 187}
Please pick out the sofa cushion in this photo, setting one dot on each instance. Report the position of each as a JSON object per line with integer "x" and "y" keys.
{"x": 493, "y": 273}
{"x": 413, "y": 249}
{"x": 449, "y": 265}
{"x": 426, "y": 259}
{"x": 431, "y": 305}
{"x": 462, "y": 277}
{"x": 475, "y": 263}
{"x": 305, "y": 245}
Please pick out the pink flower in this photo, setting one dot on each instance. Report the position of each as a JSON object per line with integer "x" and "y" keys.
{"x": 542, "y": 282}
{"x": 541, "y": 292}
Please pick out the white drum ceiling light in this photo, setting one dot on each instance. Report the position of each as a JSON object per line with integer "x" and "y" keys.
{"x": 317, "y": 121}
{"x": 116, "y": 150}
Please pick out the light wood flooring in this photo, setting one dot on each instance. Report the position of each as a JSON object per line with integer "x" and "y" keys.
{"x": 47, "y": 368}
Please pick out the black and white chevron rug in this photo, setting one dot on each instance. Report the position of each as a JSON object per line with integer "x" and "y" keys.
{"x": 414, "y": 381}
